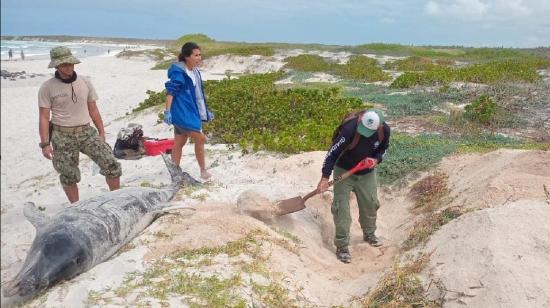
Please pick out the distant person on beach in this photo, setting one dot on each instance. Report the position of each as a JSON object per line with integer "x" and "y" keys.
{"x": 70, "y": 100}
{"x": 367, "y": 135}
{"x": 186, "y": 107}
{"x": 22, "y": 55}
{"x": 10, "y": 54}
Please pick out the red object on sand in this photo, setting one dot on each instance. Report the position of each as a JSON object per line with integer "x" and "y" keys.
{"x": 158, "y": 146}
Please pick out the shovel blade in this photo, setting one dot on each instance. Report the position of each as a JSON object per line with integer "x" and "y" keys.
{"x": 291, "y": 205}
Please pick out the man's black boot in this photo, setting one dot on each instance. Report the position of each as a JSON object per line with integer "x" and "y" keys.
{"x": 371, "y": 239}
{"x": 343, "y": 254}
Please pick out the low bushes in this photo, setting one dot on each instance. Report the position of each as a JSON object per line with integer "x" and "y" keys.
{"x": 253, "y": 113}
{"x": 359, "y": 68}
{"x": 487, "y": 73}
{"x": 414, "y": 63}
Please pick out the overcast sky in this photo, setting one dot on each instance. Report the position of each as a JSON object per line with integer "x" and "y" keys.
{"x": 507, "y": 23}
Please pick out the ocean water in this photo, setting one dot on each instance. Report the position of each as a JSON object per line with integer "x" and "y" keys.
{"x": 41, "y": 50}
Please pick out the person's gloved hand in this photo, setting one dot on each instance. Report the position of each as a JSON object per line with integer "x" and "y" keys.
{"x": 167, "y": 117}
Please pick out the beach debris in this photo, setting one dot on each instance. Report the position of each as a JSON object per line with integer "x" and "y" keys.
{"x": 14, "y": 75}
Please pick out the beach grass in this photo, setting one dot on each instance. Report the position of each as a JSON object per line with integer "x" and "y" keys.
{"x": 190, "y": 275}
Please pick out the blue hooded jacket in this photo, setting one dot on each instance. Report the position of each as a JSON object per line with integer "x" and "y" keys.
{"x": 184, "y": 109}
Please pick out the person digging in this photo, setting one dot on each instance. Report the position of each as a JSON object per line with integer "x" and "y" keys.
{"x": 364, "y": 136}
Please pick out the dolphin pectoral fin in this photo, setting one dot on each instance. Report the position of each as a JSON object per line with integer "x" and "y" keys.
{"x": 165, "y": 208}
{"x": 34, "y": 215}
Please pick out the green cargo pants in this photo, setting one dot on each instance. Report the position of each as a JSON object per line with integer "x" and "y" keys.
{"x": 365, "y": 188}
{"x": 67, "y": 146}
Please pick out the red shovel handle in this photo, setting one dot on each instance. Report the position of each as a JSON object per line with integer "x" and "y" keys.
{"x": 366, "y": 163}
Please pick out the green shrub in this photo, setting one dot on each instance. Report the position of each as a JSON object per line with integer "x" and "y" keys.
{"x": 414, "y": 63}
{"x": 251, "y": 112}
{"x": 236, "y": 49}
{"x": 481, "y": 110}
{"x": 361, "y": 68}
{"x": 488, "y": 73}
{"x": 307, "y": 63}
{"x": 263, "y": 117}
{"x": 154, "y": 99}
{"x": 198, "y": 38}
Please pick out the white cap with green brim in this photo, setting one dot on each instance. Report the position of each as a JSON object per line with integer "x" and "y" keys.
{"x": 370, "y": 121}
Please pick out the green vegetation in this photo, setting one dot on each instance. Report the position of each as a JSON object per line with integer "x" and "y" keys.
{"x": 265, "y": 118}
{"x": 415, "y": 63}
{"x": 432, "y": 222}
{"x": 400, "y": 287}
{"x": 293, "y": 120}
{"x": 362, "y": 68}
{"x": 481, "y": 110}
{"x": 456, "y": 53}
{"x": 184, "y": 274}
{"x": 154, "y": 99}
{"x": 359, "y": 68}
{"x": 210, "y": 48}
{"x": 308, "y": 63}
{"x": 486, "y": 73}
{"x": 411, "y": 154}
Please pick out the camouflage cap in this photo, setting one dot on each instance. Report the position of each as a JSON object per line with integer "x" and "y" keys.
{"x": 60, "y": 55}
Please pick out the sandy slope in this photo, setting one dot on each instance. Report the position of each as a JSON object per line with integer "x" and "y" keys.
{"x": 496, "y": 256}
{"x": 506, "y": 180}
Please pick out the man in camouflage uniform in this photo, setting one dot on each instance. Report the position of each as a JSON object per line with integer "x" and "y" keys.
{"x": 70, "y": 100}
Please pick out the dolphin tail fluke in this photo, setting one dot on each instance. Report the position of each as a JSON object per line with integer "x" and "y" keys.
{"x": 178, "y": 176}
{"x": 34, "y": 215}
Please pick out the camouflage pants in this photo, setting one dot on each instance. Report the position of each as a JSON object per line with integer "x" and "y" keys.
{"x": 365, "y": 188}
{"x": 67, "y": 146}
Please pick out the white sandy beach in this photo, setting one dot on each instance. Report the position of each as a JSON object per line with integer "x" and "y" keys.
{"x": 501, "y": 181}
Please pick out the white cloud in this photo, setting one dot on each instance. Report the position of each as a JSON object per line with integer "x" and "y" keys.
{"x": 463, "y": 9}
{"x": 432, "y": 8}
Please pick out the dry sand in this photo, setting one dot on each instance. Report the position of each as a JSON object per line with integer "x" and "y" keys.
{"x": 244, "y": 190}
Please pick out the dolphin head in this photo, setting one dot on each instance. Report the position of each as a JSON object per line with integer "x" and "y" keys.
{"x": 58, "y": 256}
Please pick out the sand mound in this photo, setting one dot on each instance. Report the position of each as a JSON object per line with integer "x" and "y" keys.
{"x": 219, "y": 67}
{"x": 496, "y": 257}
{"x": 497, "y": 178}
{"x": 311, "y": 272}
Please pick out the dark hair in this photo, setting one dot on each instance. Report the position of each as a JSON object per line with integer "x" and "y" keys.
{"x": 187, "y": 50}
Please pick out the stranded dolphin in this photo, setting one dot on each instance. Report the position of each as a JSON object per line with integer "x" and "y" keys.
{"x": 88, "y": 233}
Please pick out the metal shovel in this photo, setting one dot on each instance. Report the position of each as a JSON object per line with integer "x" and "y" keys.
{"x": 299, "y": 203}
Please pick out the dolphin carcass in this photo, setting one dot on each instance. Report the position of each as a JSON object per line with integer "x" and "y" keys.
{"x": 89, "y": 232}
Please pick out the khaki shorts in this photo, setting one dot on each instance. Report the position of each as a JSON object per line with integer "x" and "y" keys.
{"x": 67, "y": 146}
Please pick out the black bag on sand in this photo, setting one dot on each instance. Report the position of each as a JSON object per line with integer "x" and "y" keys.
{"x": 129, "y": 143}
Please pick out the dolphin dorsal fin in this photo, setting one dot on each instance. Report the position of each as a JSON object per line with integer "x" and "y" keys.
{"x": 34, "y": 215}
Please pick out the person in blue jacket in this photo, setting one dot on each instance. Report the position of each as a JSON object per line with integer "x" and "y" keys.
{"x": 186, "y": 107}
{"x": 372, "y": 136}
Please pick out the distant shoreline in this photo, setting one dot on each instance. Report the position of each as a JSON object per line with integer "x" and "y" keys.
{"x": 86, "y": 39}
